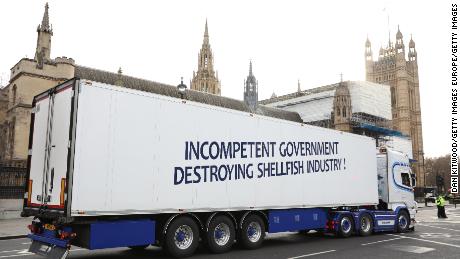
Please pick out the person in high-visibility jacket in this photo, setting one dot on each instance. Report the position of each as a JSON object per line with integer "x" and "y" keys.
{"x": 440, "y": 202}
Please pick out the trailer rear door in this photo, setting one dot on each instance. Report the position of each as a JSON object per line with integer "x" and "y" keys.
{"x": 49, "y": 148}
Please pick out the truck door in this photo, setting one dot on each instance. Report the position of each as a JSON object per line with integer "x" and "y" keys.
{"x": 49, "y": 148}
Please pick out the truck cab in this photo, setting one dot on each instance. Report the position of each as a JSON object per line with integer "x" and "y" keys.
{"x": 396, "y": 182}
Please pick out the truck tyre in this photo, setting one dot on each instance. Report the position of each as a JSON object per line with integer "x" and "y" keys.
{"x": 221, "y": 234}
{"x": 402, "y": 222}
{"x": 182, "y": 237}
{"x": 366, "y": 225}
{"x": 252, "y": 232}
{"x": 345, "y": 228}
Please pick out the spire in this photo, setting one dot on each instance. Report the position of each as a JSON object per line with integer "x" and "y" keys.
{"x": 411, "y": 42}
{"x": 251, "y": 96}
{"x": 44, "y": 30}
{"x": 399, "y": 34}
{"x": 206, "y": 78}
{"x": 206, "y": 35}
{"x": 368, "y": 42}
{"x": 45, "y": 25}
{"x": 389, "y": 39}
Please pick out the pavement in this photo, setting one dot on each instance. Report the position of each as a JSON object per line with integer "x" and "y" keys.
{"x": 13, "y": 228}
{"x": 432, "y": 238}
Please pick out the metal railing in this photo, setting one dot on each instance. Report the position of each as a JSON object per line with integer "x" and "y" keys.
{"x": 12, "y": 179}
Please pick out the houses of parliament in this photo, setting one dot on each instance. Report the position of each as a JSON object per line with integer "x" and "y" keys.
{"x": 31, "y": 76}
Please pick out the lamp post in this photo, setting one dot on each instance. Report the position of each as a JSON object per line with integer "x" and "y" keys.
{"x": 424, "y": 179}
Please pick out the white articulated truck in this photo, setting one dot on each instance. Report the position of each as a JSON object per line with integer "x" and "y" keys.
{"x": 111, "y": 166}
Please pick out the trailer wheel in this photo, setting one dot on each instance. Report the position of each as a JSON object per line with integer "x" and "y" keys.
{"x": 345, "y": 226}
{"x": 182, "y": 237}
{"x": 365, "y": 225}
{"x": 252, "y": 233}
{"x": 221, "y": 234}
{"x": 403, "y": 221}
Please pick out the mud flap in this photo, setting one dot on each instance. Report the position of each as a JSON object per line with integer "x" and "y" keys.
{"x": 48, "y": 250}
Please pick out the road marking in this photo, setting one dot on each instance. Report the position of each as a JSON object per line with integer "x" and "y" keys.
{"x": 430, "y": 241}
{"x": 27, "y": 243}
{"x": 307, "y": 255}
{"x": 6, "y": 240}
{"x": 24, "y": 252}
{"x": 386, "y": 240}
{"x": 11, "y": 251}
{"x": 412, "y": 249}
{"x": 7, "y": 256}
{"x": 439, "y": 227}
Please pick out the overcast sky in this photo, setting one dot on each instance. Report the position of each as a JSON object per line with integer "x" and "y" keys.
{"x": 313, "y": 41}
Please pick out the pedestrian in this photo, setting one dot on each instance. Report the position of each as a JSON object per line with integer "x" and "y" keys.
{"x": 440, "y": 202}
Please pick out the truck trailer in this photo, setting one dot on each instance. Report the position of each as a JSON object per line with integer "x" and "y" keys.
{"x": 111, "y": 166}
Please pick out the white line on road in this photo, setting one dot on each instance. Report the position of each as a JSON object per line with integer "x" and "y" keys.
{"x": 386, "y": 240}
{"x": 24, "y": 252}
{"x": 307, "y": 255}
{"x": 11, "y": 251}
{"x": 430, "y": 241}
{"x": 439, "y": 227}
{"x": 7, "y": 256}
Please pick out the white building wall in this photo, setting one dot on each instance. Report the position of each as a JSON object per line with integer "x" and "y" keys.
{"x": 366, "y": 97}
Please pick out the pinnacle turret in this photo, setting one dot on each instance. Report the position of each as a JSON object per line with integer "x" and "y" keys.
{"x": 399, "y": 34}
{"x": 411, "y": 42}
{"x": 206, "y": 78}
{"x": 45, "y": 31}
{"x": 251, "y": 96}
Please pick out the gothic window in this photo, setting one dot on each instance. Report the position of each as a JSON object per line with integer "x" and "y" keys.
{"x": 338, "y": 111}
{"x": 412, "y": 98}
{"x": 393, "y": 97}
{"x": 14, "y": 93}
{"x": 205, "y": 60}
{"x": 344, "y": 111}
{"x": 11, "y": 135}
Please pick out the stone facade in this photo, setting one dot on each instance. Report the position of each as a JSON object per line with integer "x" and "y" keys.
{"x": 401, "y": 74}
{"x": 251, "y": 88}
{"x": 342, "y": 109}
{"x": 206, "y": 79}
{"x": 28, "y": 78}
